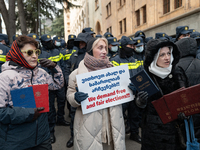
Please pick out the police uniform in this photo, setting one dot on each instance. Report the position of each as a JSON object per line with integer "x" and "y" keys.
{"x": 134, "y": 68}
{"x": 67, "y": 52}
{"x": 57, "y": 39}
{"x": 72, "y": 64}
{"x": 162, "y": 36}
{"x": 5, "y": 38}
{"x": 55, "y": 56}
{"x": 182, "y": 30}
{"x": 3, "y": 52}
{"x": 107, "y": 35}
{"x": 99, "y": 36}
{"x": 15, "y": 37}
{"x": 88, "y": 30}
{"x": 113, "y": 42}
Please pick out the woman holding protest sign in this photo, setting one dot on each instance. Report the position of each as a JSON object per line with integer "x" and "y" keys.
{"x": 20, "y": 127}
{"x": 102, "y": 129}
{"x": 160, "y": 59}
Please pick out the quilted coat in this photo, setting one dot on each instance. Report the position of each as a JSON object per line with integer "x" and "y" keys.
{"x": 17, "y": 130}
{"x": 88, "y": 127}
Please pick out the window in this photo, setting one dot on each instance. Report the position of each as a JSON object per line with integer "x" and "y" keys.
{"x": 109, "y": 29}
{"x": 166, "y": 6}
{"x": 124, "y": 20}
{"x": 108, "y": 8}
{"x": 121, "y": 2}
{"x": 178, "y": 3}
{"x": 120, "y": 27}
{"x": 96, "y": 4}
{"x": 137, "y": 13}
{"x": 144, "y": 14}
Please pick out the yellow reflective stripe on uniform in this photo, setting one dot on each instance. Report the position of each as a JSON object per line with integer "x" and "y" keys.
{"x": 130, "y": 65}
{"x": 55, "y": 58}
{"x": 61, "y": 55}
{"x": 140, "y": 62}
{"x": 114, "y": 63}
{"x": 66, "y": 57}
{"x": 73, "y": 51}
{"x": 3, "y": 58}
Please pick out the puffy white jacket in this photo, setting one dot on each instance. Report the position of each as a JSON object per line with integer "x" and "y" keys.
{"x": 88, "y": 127}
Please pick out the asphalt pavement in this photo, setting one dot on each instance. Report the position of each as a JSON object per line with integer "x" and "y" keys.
{"x": 62, "y": 134}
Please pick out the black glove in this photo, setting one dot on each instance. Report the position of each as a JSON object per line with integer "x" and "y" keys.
{"x": 141, "y": 100}
{"x": 132, "y": 87}
{"x": 44, "y": 62}
{"x": 80, "y": 96}
{"x": 37, "y": 112}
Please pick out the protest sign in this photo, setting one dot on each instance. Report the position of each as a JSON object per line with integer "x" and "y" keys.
{"x": 106, "y": 88}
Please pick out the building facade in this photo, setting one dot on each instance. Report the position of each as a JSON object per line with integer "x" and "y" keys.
{"x": 125, "y": 17}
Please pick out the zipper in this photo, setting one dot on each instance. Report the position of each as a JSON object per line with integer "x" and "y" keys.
{"x": 36, "y": 132}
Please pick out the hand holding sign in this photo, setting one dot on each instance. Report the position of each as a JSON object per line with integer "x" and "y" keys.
{"x": 80, "y": 96}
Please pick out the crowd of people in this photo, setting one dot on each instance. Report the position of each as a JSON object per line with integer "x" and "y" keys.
{"x": 171, "y": 63}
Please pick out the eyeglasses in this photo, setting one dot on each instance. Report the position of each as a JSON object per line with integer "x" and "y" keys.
{"x": 31, "y": 51}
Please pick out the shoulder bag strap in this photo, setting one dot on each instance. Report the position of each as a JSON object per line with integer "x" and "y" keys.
{"x": 187, "y": 130}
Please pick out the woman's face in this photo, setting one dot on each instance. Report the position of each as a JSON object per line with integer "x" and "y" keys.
{"x": 164, "y": 58}
{"x": 32, "y": 60}
{"x": 100, "y": 50}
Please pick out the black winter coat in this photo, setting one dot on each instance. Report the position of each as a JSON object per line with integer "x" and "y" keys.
{"x": 191, "y": 66}
{"x": 155, "y": 134}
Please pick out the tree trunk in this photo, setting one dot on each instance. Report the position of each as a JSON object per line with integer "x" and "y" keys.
{"x": 12, "y": 18}
{"x": 22, "y": 16}
{"x": 5, "y": 15}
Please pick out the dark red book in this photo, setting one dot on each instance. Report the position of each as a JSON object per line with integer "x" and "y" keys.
{"x": 186, "y": 100}
{"x": 162, "y": 108}
{"x": 41, "y": 95}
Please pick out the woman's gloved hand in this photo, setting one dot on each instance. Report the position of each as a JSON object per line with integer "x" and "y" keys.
{"x": 132, "y": 87}
{"x": 141, "y": 100}
{"x": 80, "y": 96}
{"x": 44, "y": 62}
{"x": 37, "y": 112}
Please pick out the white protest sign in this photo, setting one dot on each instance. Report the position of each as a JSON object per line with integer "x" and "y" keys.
{"x": 106, "y": 88}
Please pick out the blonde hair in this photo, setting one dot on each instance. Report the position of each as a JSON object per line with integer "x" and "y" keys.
{"x": 97, "y": 41}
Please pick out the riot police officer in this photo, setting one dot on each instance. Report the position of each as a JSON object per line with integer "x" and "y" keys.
{"x": 162, "y": 36}
{"x": 112, "y": 47}
{"x": 126, "y": 57}
{"x": 4, "y": 40}
{"x": 3, "y": 51}
{"x": 107, "y": 35}
{"x": 182, "y": 32}
{"x": 80, "y": 44}
{"x": 140, "y": 34}
{"x": 88, "y": 30}
{"x": 54, "y": 55}
{"x": 57, "y": 42}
